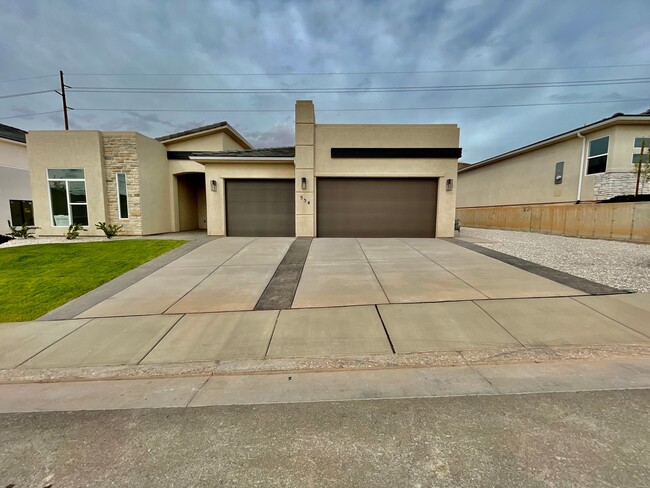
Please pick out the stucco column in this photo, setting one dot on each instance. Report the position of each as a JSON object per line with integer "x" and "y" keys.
{"x": 304, "y": 163}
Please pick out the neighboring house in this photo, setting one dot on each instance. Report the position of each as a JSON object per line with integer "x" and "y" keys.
{"x": 585, "y": 165}
{"x": 15, "y": 191}
{"x": 338, "y": 180}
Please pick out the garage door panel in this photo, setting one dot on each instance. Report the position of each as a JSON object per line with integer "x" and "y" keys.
{"x": 260, "y": 208}
{"x": 376, "y": 207}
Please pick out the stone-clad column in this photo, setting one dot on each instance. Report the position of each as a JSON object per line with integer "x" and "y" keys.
{"x": 304, "y": 163}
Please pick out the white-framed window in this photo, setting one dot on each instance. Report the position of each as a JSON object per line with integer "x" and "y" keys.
{"x": 597, "y": 157}
{"x": 636, "y": 156}
{"x": 68, "y": 202}
{"x": 122, "y": 197}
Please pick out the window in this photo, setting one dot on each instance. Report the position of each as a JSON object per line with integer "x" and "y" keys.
{"x": 559, "y": 172}
{"x": 22, "y": 212}
{"x": 68, "y": 197}
{"x": 122, "y": 199}
{"x": 639, "y": 140}
{"x": 597, "y": 159}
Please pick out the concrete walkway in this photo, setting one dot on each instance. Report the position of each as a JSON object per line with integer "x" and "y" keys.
{"x": 201, "y": 391}
{"x": 510, "y": 324}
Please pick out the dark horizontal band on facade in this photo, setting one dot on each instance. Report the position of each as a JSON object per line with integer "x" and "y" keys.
{"x": 397, "y": 152}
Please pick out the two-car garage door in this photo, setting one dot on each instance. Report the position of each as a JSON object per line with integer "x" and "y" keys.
{"x": 376, "y": 207}
{"x": 346, "y": 207}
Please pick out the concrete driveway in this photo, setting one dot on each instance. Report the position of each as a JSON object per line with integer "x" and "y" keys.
{"x": 232, "y": 273}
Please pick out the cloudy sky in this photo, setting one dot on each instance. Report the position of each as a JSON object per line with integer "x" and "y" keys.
{"x": 423, "y": 43}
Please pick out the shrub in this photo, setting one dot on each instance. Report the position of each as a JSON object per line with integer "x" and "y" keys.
{"x": 73, "y": 231}
{"x": 22, "y": 231}
{"x": 110, "y": 230}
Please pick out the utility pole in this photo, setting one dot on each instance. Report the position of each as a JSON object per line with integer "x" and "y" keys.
{"x": 65, "y": 105}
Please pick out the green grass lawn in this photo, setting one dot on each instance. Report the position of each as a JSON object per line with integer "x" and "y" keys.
{"x": 38, "y": 278}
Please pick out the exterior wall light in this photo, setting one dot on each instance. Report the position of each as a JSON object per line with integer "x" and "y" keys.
{"x": 213, "y": 185}
{"x": 303, "y": 183}
{"x": 450, "y": 184}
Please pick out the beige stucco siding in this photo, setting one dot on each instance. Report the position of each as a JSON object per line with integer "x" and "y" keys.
{"x": 621, "y": 154}
{"x": 14, "y": 178}
{"x": 216, "y": 141}
{"x": 71, "y": 150}
{"x": 154, "y": 189}
{"x": 216, "y": 200}
{"x": 444, "y": 135}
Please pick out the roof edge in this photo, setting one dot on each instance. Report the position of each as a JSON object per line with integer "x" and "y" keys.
{"x": 202, "y": 131}
{"x": 613, "y": 120}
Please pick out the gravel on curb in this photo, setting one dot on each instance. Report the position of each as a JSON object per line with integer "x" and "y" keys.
{"x": 622, "y": 265}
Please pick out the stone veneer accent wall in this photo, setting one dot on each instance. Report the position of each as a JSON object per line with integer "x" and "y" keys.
{"x": 121, "y": 156}
{"x": 612, "y": 184}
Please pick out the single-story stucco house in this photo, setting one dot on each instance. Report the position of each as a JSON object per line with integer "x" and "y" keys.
{"x": 338, "y": 180}
{"x": 537, "y": 187}
{"x": 15, "y": 190}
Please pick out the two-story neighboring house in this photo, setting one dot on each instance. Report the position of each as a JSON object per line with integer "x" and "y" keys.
{"x": 15, "y": 190}
{"x": 537, "y": 187}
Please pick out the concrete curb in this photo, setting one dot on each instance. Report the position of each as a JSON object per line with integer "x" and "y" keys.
{"x": 321, "y": 364}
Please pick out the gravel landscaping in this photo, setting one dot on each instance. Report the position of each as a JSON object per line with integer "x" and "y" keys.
{"x": 622, "y": 265}
{"x": 56, "y": 240}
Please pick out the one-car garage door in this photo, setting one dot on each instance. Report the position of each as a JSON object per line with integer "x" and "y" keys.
{"x": 377, "y": 207}
{"x": 260, "y": 208}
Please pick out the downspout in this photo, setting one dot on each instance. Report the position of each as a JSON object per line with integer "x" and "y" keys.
{"x": 582, "y": 163}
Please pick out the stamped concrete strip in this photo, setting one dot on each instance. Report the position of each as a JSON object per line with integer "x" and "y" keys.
{"x": 99, "y": 395}
{"x": 106, "y": 341}
{"x": 20, "y": 341}
{"x": 557, "y": 322}
{"x": 80, "y": 304}
{"x": 344, "y": 331}
{"x": 215, "y": 336}
{"x": 570, "y": 376}
{"x": 280, "y": 291}
{"x": 341, "y": 385}
{"x": 630, "y": 310}
{"x": 582, "y": 284}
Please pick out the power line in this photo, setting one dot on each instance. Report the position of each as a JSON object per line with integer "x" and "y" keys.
{"x": 372, "y": 109}
{"x": 15, "y": 95}
{"x": 395, "y": 72}
{"x": 31, "y": 115}
{"x": 387, "y": 89}
{"x": 29, "y": 78}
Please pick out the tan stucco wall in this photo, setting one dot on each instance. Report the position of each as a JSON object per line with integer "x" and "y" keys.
{"x": 14, "y": 178}
{"x": 216, "y": 201}
{"x": 441, "y": 135}
{"x": 66, "y": 149}
{"x": 154, "y": 186}
{"x": 621, "y": 156}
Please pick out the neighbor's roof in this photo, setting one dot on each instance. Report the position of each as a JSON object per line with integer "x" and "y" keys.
{"x": 268, "y": 152}
{"x": 204, "y": 130}
{"x": 617, "y": 117}
{"x": 12, "y": 133}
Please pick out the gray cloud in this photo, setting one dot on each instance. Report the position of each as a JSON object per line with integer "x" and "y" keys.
{"x": 164, "y": 36}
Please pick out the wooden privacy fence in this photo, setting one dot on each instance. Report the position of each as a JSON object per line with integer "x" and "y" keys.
{"x": 620, "y": 221}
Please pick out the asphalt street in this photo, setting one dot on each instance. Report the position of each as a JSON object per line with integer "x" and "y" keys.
{"x": 559, "y": 439}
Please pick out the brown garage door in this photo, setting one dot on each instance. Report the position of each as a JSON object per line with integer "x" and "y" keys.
{"x": 260, "y": 208}
{"x": 377, "y": 207}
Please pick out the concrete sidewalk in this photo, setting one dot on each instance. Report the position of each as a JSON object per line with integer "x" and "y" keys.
{"x": 509, "y": 325}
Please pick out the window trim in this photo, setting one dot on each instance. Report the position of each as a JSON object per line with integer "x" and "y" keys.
{"x": 67, "y": 196}
{"x": 117, "y": 189}
{"x": 587, "y": 173}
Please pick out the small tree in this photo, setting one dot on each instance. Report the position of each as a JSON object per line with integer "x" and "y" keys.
{"x": 642, "y": 167}
{"x": 110, "y": 230}
{"x": 22, "y": 231}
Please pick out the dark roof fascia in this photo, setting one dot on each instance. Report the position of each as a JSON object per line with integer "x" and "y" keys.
{"x": 559, "y": 137}
{"x": 13, "y": 133}
{"x": 397, "y": 152}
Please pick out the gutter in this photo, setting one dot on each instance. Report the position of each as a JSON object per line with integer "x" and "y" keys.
{"x": 252, "y": 159}
{"x": 582, "y": 165}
